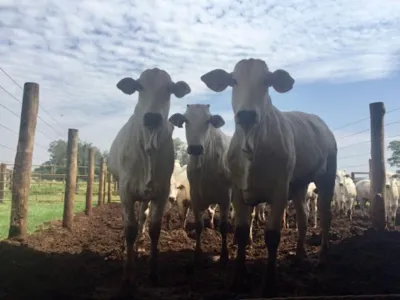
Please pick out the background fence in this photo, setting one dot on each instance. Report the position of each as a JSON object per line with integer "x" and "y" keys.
{"x": 50, "y": 194}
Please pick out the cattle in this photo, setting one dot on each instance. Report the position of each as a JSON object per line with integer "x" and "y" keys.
{"x": 272, "y": 157}
{"x": 363, "y": 188}
{"x": 206, "y": 169}
{"x": 344, "y": 194}
{"x": 143, "y": 218}
{"x": 364, "y": 195}
{"x": 311, "y": 207}
{"x": 259, "y": 209}
{"x": 312, "y": 202}
{"x": 289, "y": 212}
{"x": 180, "y": 195}
{"x": 141, "y": 158}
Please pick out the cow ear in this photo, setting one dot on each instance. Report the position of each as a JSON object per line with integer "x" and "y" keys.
{"x": 280, "y": 80}
{"x": 129, "y": 85}
{"x": 217, "y": 121}
{"x": 180, "y": 89}
{"x": 218, "y": 80}
{"x": 177, "y": 120}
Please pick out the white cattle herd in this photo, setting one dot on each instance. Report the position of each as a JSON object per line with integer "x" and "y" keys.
{"x": 273, "y": 158}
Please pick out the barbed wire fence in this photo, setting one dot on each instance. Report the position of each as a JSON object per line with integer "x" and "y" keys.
{"x": 50, "y": 184}
{"x": 367, "y": 142}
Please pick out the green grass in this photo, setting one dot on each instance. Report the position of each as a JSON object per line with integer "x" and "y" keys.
{"x": 45, "y": 204}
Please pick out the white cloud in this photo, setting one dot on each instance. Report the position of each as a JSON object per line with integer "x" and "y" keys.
{"x": 78, "y": 50}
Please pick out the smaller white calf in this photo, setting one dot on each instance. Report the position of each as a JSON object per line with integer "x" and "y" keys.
{"x": 311, "y": 203}
{"x": 392, "y": 198}
{"x": 260, "y": 213}
{"x": 363, "y": 189}
{"x": 211, "y": 212}
{"x": 345, "y": 194}
{"x": 290, "y": 212}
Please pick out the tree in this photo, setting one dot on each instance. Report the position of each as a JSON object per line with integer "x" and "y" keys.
{"x": 58, "y": 159}
{"x": 180, "y": 151}
{"x": 394, "y": 161}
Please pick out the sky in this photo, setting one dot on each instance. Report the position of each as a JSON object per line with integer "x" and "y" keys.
{"x": 343, "y": 54}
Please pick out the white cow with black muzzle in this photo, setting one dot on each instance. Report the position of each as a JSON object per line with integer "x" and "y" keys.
{"x": 206, "y": 169}
{"x": 142, "y": 160}
{"x": 299, "y": 145}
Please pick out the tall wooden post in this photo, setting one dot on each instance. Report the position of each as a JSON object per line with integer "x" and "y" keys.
{"x": 70, "y": 184}
{"x": 109, "y": 190}
{"x": 100, "y": 199}
{"x": 89, "y": 187}
{"x": 378, "y": 172}
{"x": 104, "y": 182}
{"x": 3, "y": 170}
{"x": 23, "y": 161}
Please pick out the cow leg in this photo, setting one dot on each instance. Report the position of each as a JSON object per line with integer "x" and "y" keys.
{"x": 272, "y": 237}
{"x": 314, "y": 211}
{"x": 130, "y": 233}
{"x": 224, "y": 216}
{"x": 252, "y": 218}
{"x": 285, "y": 222}
{"x": 184, "y": 217}
{"x": 349, "y": 208}
{"x": 299, "y": 197}
{"x": 143, "y": 217}
{"x": 199, "y": 220}
{"x": 211, "y": 214}
{"x": 243, "y": 215}
{"x": 156, "y": 213}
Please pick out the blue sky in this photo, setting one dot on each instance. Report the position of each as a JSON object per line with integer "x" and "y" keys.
{"x": 343, "y": 54}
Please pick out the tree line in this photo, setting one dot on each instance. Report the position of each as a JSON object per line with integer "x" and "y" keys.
{"x": 58, "y": 156}
{"x": 57, "y": 162}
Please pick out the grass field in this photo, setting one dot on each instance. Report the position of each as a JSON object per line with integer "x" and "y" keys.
{"x": 45, "y": 204}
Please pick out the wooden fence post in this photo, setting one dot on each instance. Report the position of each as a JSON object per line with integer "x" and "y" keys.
{"x": 104, "y": 182}
{"x": 3, "y": 170}
{"x": 378, "y": 172}
{"x": 89, "y": 187}
{"x": 70, "y": 183}
{"x": 100, "y": 199}
{"x": 109, "y": 191}
{"x": 23, "y": 162}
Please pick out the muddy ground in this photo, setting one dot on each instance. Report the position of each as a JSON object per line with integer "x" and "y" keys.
{"x": 86, "y": 263}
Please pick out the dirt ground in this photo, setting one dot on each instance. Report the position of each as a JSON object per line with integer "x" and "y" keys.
{"x": 86, "y": 263}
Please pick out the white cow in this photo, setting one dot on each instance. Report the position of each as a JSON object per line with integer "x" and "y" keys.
{"x": 143, "y": 218}
{"x": 298, "y": 144}
{"x": 311, "y": 207}
{"x": 180, "y": 195}
{"x": 312, "y": 202}
{"x": 207, "y": 171}
{"x": 142, "y": 159}
{"x": 345, "y": 194}
{"x": 364, "y": 195}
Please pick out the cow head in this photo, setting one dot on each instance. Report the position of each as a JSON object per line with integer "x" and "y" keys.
{"x": 198, "y": 121}
{"x": 250, "y": 81}
{"x": 155, "y": 88}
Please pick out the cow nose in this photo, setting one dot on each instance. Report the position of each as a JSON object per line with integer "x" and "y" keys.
{"x": 388, "y": 185}
{"x": 195, "y": 150}
{"x": 152, "y": 120}
{"x": 246, "y": 117}
{"x": 341, "y": 184}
